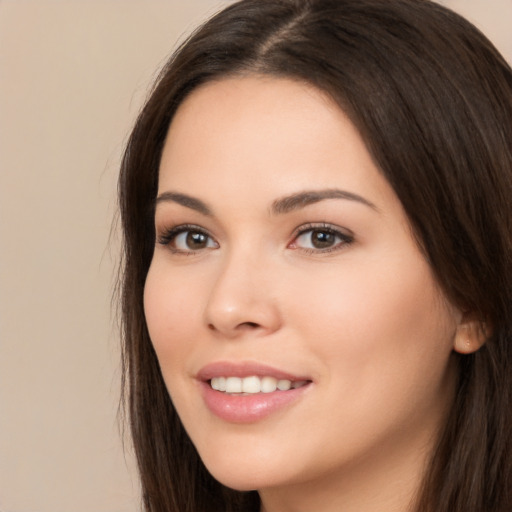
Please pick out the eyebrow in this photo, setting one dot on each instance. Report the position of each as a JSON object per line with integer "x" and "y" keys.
{"x": 279, "y": 206}
{"x": 185, "y": 200}
{"x": 307, "y": 197}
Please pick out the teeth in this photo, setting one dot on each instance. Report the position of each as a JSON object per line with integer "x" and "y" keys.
{"x": 219, "y": 383}
{"x": 284, "y": 385}
{"x": 268, "y": 384}
{"x": 233, "y": 385}
{"x": 253, "y": 384}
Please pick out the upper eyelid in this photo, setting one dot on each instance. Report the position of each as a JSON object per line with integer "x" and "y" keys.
{"x": 180, "y": 228}
{"x": 311, "y": 226}
{"x": 167, "y": 223}
{"x": 166, "y": 234}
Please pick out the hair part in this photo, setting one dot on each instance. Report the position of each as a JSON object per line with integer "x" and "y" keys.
{"x": 432, "y": 99}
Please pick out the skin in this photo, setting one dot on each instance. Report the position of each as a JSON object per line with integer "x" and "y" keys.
{"x": 365, "y": 320}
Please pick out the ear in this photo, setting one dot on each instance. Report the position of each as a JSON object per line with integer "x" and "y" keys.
{"x": 471, "y": 334}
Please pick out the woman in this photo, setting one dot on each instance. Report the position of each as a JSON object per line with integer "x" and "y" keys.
{"x": 317, "y": 275}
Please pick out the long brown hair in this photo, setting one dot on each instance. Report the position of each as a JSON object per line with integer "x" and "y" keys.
{"x": 432, "y": 98}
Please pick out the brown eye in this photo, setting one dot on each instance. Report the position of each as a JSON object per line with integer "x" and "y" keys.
{"x": 195, "y": 240}
{"x": 188, "y": 240}
{"x": 321, "y": 239}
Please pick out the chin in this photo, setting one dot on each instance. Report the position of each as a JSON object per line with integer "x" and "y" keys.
{"x": 239, "y": 478}
{"x": 244, "y": 472}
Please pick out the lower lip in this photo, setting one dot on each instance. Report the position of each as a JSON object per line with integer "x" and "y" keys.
{"x": 248, "y": 408}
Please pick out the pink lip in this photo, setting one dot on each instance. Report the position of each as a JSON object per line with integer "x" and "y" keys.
{"x": 248, "y": 408}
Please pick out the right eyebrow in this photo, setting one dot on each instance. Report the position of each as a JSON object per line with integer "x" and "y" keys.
{"x": 185, "y": 200}
{"x": 307, "y": 197}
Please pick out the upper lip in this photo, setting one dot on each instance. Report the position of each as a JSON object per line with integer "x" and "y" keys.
{"x": 244, "y": 369}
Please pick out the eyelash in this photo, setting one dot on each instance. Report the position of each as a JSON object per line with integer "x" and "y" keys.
{"x": 345, "y": 238}
{"x": 168, "y": 236}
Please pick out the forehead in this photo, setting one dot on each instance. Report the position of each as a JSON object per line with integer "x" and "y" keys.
{"x": 268, "y": 135}
{"x": 266, "y": 108}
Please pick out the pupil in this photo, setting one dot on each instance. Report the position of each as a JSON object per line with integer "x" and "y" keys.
{"x": 321, "y": 239}
{"x": 196, "y": 240}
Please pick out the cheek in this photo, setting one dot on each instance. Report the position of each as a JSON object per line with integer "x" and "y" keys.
{"x": 383, "y": 337}
{"x": 382, "y": 317}
{"x": 172, "y": 309}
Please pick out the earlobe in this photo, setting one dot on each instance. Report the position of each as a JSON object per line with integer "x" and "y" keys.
{"x": 471, "y": 334}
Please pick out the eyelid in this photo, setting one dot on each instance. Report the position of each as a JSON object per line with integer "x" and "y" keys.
{"x": 343, "y": 232}
{"x": 346, "y": 236}
{"x": 166, "y": 235}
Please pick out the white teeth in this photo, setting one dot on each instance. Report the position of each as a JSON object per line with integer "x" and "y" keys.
{"x": 268, "y": 384}
{"x": 284, "y": 385}
{"x": 253, "y": 384}
{"x": 233, "y": 385}
{"x": 219, "y": 383}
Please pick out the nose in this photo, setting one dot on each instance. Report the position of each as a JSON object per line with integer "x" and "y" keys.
{"x": 242, "y": 300}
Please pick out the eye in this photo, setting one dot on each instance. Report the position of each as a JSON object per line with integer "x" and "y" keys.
{"x": 192, "y": 241}
{"x": 321, "y": 239}
{"x": 187, "y": 239}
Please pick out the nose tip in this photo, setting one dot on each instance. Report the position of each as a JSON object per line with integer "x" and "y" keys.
{"x": 237, "y": 307}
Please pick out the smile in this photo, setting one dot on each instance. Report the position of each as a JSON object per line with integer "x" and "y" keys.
{"x": 254, "y": 384}
{"x": 248, "y": 392}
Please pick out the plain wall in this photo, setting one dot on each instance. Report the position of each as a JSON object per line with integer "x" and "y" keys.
{"x": 73, "y": 75}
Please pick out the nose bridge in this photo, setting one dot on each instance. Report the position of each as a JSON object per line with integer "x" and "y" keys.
{"x": 241, "y": 296}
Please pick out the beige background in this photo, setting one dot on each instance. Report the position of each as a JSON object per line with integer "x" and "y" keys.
{"x": 72, "y": 77}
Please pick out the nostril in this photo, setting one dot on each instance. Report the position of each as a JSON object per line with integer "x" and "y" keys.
{"x": 240, "y": 328}
{"x": 250, "y": 325}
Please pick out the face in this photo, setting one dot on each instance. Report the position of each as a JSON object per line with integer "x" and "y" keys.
{"x": 284, "y": 258}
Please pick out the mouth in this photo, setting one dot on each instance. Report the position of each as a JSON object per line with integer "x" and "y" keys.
{"x": 253, "y": 384}
{"x": 248, "y": 392}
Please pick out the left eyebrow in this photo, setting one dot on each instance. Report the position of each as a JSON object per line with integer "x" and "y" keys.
{"x": 185, "y": 200}
{"x": 301, "y": 199}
